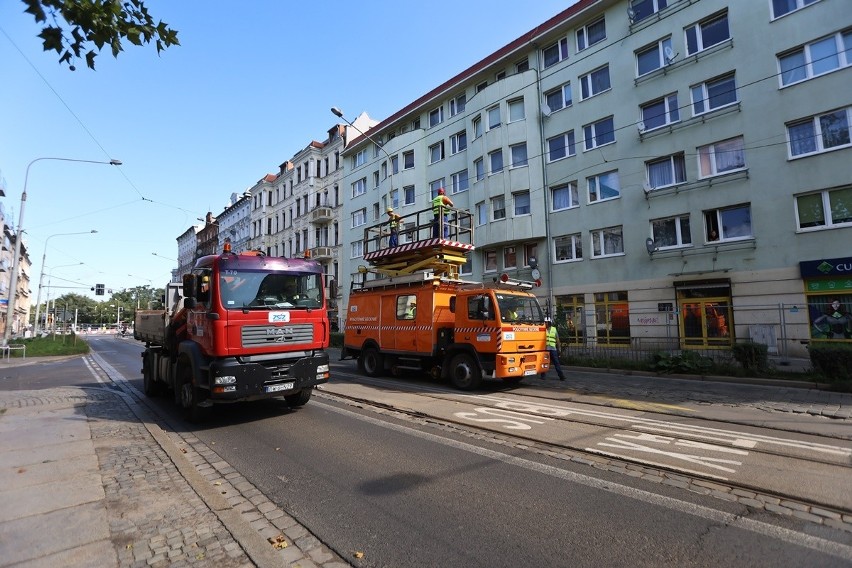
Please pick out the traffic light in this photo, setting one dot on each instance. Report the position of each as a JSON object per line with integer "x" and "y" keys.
{"x": 99, "y": 289}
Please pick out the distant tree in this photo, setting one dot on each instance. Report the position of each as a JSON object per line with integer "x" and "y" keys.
{"x": 80, "y": 25}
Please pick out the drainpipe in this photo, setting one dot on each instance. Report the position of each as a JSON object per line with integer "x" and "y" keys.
{"x": 551, "y": 306}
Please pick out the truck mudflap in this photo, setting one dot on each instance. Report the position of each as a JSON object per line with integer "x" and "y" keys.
{"x": 232, "y": 380}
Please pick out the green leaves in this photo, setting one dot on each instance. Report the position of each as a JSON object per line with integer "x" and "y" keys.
{"x": 90, "y": 25}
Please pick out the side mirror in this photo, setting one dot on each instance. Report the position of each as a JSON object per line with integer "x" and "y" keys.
{"x": 452, "y": 304}
{"x": 189, "y": 286}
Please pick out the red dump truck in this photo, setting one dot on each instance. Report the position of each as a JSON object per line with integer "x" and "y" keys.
{"x": 240, "y": 327}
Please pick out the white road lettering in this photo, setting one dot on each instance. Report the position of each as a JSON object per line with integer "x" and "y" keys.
{"x": 511, "y": 420}
{"x": 621, "y": 442}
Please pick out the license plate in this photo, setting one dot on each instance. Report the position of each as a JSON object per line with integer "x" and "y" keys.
{"x": 530, "y": 372}
{"x": 280, "y": 387}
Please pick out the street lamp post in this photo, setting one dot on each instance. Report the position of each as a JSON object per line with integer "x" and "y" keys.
{"x": 339, "y": 114}
{"x": 13, "y": 283}
{"x": 41, "y": 277}
{"x": 47, "y": 301}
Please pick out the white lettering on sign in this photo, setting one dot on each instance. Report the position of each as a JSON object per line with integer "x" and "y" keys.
{"x": 621, "y": 442}
{"x": 507, "y": 419}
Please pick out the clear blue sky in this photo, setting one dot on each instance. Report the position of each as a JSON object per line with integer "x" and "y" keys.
{"x": 250, "y": 85}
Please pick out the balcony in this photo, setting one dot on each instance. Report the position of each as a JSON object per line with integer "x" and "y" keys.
{"x": 322, "y": 253}
{"x": 322, "y": 215}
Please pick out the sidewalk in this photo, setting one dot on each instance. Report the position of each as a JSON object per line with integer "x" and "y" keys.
{"x": 88, "y": 478}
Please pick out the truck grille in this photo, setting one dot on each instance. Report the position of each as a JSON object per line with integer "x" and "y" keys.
{"x": 265, "y": 335}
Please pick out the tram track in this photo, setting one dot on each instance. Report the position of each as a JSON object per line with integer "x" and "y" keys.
{"x": 752, "y": 495}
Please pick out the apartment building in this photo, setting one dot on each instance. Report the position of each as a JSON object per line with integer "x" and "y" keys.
{"x": 235, "y": 223}
{"x": 298, "y": 210}
{"x": 21, "y": 296}
{"x": 674, "y": 172}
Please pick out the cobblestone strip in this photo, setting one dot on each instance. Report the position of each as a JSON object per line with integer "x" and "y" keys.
{"x": 155, "y": 517}
{"x": 302, "y": 548}
{"x": 770, "y": 503}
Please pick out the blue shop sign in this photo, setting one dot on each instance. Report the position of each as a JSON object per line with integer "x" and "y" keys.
{"x": 828, "y": 267}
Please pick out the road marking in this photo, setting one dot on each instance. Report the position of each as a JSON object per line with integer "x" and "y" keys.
{"x": 836, "y": 549}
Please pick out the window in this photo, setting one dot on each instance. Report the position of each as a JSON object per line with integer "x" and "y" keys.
{"x": 359, "y": 159}
{"x": 644, "y": 8}
{"x": 476, "y": 124}
{"x": 731, "y": 223}
{"x": 376, "y": 214}
{"x": 459, "y": 181}
{"x": 395, "y": 164}
{"x": 510, "y": 258}
{"x": 523, "y": 65}
{"x": 826, "y": 209}
{"x": 434, "y": 186}
{"x": 436, "y": 117}
{"x": 591, "y": 34}
{"x": 408, "y": 159}
{"x": 607, "y": 242}
{"x": 782, "y": 7}
{"x": 516, "y": 110}
{"x": 522, "y": 203}
{"x": 457, "y": 104}
{"x": 496, "y": 160}
{"x": 594, "y": 83}
{"x": 519, "y": 155}
{"x": 359, "y": 187}
{"x": 603, "y": 187}
{"x": 568, "y": 247}
{"x": 564, "y": 196}
{"x": 490, "y": 260}
{"x": 530, "y": 254}
{"x": 713, "y": 94}
{"x": 558, "y": 99}
{"x": 436, "y": 152}
{"x": 666, "y": 171}
{"x": 482, "y": 86}
{"x": 500, "y": 75}
{"x": 820, "y": 133}
{"x": 498, "y": 208}
{"x": 479, "y": 166}
{"x": 555, "y": 53}
{"x": 707, "y": 33}
{"x": 659, "y": 113}
{"x": 458, "y": 142}
{"x": 359, "y": 217}
{"x": 561, "y": 146}
{"x": 671, "y": 232}
{"x": 598, "y": 133}
{"x": 406, "y": 307}
{"x": 721, "y": 157}
{"x": 481, "y": 213}
{"x": 408, "y": 192}
{"x": 493, "y": 117}
{"x": 357, "y": 249}
{"x": 816, "y": 58}
{"x": 375, "y": 179}
{"x": 652, "y": 57}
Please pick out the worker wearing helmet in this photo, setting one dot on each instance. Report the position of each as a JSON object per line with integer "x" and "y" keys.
{"x": 440, "y": 203}
{"x": 393, "y": 223}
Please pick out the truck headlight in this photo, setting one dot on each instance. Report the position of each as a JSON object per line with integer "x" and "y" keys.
{"x": 322, "y": 369}
{"x": 225, "y": 380}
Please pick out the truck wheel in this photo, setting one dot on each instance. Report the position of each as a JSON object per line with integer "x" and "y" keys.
{"x": 301, "y": 398}
{"x": 371, "y": 362}
{"x": 150, "y": 385}
{"x": 190, "y": 397}
{"x": 465, "y": 373}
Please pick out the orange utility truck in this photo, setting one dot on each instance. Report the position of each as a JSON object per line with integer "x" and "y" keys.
{"x": 410, "y": 310}
{"x": 241, "y": 327}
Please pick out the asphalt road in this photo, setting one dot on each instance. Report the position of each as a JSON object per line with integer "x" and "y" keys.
{"x": 408, "y": 493}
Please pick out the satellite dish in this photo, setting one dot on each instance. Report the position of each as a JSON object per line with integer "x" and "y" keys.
{"x": 670, "y": 55}
{"x": 631, "y": 14}
{"x": 650, "y": 246}
{"x": 641, "y": 127}
{"x": 646, "y": 187}
{"x": 545, "y": 109}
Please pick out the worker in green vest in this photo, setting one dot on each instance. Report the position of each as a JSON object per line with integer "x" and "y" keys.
{"x": 393, "y": 223}
{"x": 439, "y": 207}
{"x": 553, "y": 346}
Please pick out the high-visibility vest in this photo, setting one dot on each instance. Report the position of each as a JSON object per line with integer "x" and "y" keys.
{"x": 394, "y": 221}
{"x": 437, "y": 204}
{"x": 552, "y": 336}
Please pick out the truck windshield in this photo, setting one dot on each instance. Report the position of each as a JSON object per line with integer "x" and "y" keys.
{"x": 515, "y": 308}
{"x": 242, "y": 289}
